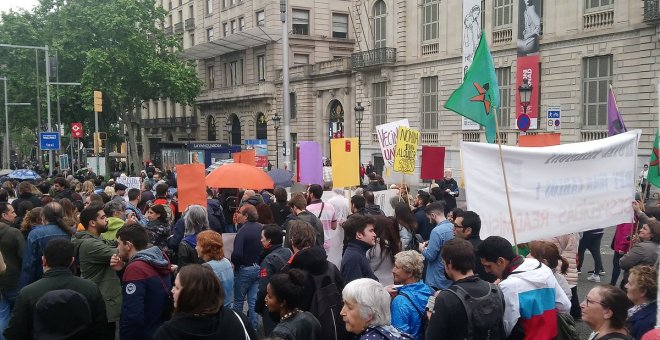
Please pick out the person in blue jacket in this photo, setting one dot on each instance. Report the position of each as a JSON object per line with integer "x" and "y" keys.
{"x": 408, "y": 306}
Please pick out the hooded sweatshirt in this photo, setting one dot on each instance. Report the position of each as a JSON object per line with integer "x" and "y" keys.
{"x": 114, "y": 224}
{"x": 146, "y": 284}
{"x": 533, "y": 296}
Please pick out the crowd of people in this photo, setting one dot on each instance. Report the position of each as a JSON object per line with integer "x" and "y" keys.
{"x": 86, "y": 258}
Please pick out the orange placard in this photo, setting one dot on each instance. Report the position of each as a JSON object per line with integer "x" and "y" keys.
{"x": 191, "y": 182}
{"x": 542, "y": 139}
{"x": 246, "y": 157}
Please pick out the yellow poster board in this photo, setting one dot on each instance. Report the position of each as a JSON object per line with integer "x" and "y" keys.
{"x": 405, "y": 152}
{"x": 345, "y": 162}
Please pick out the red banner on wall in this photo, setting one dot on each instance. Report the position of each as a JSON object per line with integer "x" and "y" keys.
{"x": 527, "y": 72}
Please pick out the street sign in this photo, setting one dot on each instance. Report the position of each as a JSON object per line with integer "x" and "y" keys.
{"x": 49, "y": 140}
{"x": 553, "y": 122}
{"x": 76, "y": 130}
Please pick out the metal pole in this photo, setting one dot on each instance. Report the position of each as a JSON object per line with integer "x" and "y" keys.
{"x": 96, "y": 128}
{"x": 285, "y": 83}
{"x": 277, "y": 152}
{"x": 6, "y": 126}
{"x": 36, "y": 62}
{"x": 57, "y": 91}
{"x": 50, "y": 128}
{"x": 360, "y": 144}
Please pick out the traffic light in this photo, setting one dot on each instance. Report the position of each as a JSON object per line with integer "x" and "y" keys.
{"x": 103, "y": 135}
{"x": 99, "y": 138}
{"x": 98, "y": 101}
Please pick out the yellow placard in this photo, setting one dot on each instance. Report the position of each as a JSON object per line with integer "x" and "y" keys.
{"x": 405, "y": 152}
{"x": 345, "y": 163}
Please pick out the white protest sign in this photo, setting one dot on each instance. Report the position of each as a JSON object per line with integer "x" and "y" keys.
{"x": 387, "y": 137}
{"x": 554, "y": 190}
{"x": 129, "y": 182}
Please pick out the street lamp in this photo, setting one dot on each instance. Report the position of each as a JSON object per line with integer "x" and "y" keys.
{"x": 8, "y": 152}
{"x": 228, "y": 126}
{"x": 525, "y": 91}
{"x": 359, "y": 115}
{"x": 276, "y": 123}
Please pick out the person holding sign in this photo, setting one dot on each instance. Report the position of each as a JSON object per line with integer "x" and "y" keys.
{"x": 449, "y": 189}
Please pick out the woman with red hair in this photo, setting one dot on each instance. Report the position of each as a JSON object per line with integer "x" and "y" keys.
{"x": 210, "y": 249}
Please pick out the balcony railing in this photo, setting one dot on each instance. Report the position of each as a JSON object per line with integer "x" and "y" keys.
{"x": 170, "y": 122}
{"x": 375, "y": 57}
{"x": 472, "y": 136}
{"x": 502, "y": 36}
{"x": 430, "y": 48}
{"x": 167, "y": 30}
{"x": 178, "y": 28}
{"x": 598, "y": 20}
{"x": 332, "y": 66}
{"x": 190, "y": 24}
{"x": 589, "y": 135}
{"x": 430, "y": 138}
{"x": 651, "y": 10}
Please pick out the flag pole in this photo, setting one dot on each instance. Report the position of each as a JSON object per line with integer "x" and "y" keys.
{"x": 506, "y": 185}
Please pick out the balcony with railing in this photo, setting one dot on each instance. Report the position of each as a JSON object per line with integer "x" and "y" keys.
{"x": 502, "y": 35}
{"x": 589, "y": 135}
{"x": 337, "y": 65}
{"x": 373, "y": 58}
{"x": 599, "y": 19}
{"x": 430, "y": 48}
{"x": 155, "y": 123}
{"x": 167, "y": 30}
{"x": 178, "y": 28}
{"x": 190, "y": 24}
{"x": 430, "y": 138}
{"x": 226, "y": 94}
{"x": 652, "y": 11}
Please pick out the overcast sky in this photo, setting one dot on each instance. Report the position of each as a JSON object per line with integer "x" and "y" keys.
{"x": 6, "y": 5}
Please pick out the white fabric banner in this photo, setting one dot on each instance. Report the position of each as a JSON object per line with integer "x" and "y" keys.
{"x": 387, "y": 137}
{"x": 471, "y": 35}
{"x": 554, "y": 190}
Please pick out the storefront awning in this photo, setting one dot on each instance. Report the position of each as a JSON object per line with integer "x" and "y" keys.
{"x": 239, "y": 41}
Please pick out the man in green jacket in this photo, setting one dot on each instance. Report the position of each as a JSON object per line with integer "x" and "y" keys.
{"x": 54, "y": 306}
{"x": 93, "y": 254}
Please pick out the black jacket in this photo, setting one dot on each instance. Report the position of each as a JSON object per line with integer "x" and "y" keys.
{"x": 29, "y": 197}
{"x": 271, "y": 262}
{"x": 314, "y": 261}
{"x": 354, "y": 263}
{"x": 21, "y": 322}
{"x": 478, "y": 267}
{"x": 302, "y": 326}
{"x": 280, "y": 212}
{"x": 224, "y": 325}
{"x": 11, "y": 246}
{"x": 424, "y": 226}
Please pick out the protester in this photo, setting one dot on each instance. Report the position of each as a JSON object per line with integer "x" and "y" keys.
{"x": 568, "y": 246}
{"x": 120, "y": 191}
{"x": 116, "y": 212}
{"x": 604, "y": 310}
{"x": 146, "y": 195}
{"x": 59, "y": 305}
{"x": 424, "y": 227}
{"x": 620, "y": 245}
{"x": 324, "y": 212}
{"x": 145, "y": 281}
{"x": 279, "y": 207}
{"x": 285, "y": 292}
{"x": 449, "y": 189}
{"x": 53, "y": 217}
{"x": 591, "y": 241}
{"x": 199, "y": 312}
{"x": 25, "y": 195}
{"x": 407, "y": 225}
{"x": 642, "y": 290}
{"x": 132, "y": 205}
{"x": 70, "y": 214}
{"x": 360, "y": 236}
{"x": 548, "y": 254}
{"x": 298, "y": 205}
{"x": 157, "y": 227}
{"x": 443, "y": 232}
{"x": 32, "y": 219}
{"x": 408, "y": 304}
{"x": 524, "y": 278}
{"x": 93, "y": 255}
{"x": 467, "y": 294}
{"x": 271, "y": 261}
{"x": 210, "y": 249}
{"x": 12, "y": 244}
{"x": 371, "y": 207}
{"x": 195, "y": 219}
{"x": 245, "y": 257}
{"x": 366, "y": 311}
{"x": 451, "y": 217}
{"x": 342, "y": 207}
{"x": 388, "y": 243}
{"x": 163, "y": 199}
{"x": 644, "y": 252}
{"x": 23, "y": 208}
{"x": 467, "y": 226}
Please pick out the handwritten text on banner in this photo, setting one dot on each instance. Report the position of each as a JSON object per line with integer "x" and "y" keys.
{"x": 406, "y": 150}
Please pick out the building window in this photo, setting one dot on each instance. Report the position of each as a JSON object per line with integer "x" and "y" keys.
{"x": 261, "y": 67}
{"x": 380, "y": 20}
{"x": 261, "y": 19}
{"x": 300, "y": 22}
{"x": 209, "y": 7}
{"x": 596, "y": 76}
{"x": 431, "y": 20}
{"x": 596, "y": 5}
{"x": 225, "y": 29}
{"x": 504, "y": 111}
{"x": 483, "y": 15}
{"x": 294, "y": 105}
{"x": 339, "y": 25}
{"x": 224, "y": 3}
{"x": 191, "y": 9}
{"x": 210, "y": 77}
{"x": 502, "y": 10}
{"x": 209, "y": 34}
{"x": 233, "y": 26}
{"x": 171, "y": 20}
{"x": 379, "y": 104}
{"x": 192, "y": 39}
{"x": 262, "y": 126}
{"x": 181, "y": 16}
{"x": 235, "y": 73}
{"x": 241, "y": 24}
{"x": 300, "y": 59}
{"x": 430, "y": 103}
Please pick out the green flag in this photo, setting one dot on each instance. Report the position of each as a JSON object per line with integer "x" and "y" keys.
{"x": 654, "y": 169}
{"x": 479, "y": 96}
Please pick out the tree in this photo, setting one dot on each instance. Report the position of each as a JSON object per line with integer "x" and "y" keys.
{"x": 113, "y": 46}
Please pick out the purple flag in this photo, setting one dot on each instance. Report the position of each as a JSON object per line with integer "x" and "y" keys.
{"x": 311, "y": 163}
{"x": 615, "y": 124}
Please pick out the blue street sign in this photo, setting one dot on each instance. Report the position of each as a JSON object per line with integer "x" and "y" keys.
{"x": 49, "y": 140}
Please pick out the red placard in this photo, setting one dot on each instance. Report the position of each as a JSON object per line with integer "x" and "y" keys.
{"x": 433, "y": 162}
{"x": 76, "y": 130}
{"x": 527, "y": 69}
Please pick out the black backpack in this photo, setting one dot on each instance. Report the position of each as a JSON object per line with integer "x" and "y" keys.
{"x": 327, "y": 303}
{"x": 484, "y": 314}
{"x": 62, "y": 314}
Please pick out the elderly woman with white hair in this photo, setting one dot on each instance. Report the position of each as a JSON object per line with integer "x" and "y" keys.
{"x": 366, "y": 311}
{"x": 196, "y": 220}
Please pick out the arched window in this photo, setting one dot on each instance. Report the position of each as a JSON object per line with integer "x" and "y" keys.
{"x": 235, "y": 130}
{"x": 336, "y": 119}
{"x": 380, "y": 23}
{"x": 210, "y": 125}
{"x": 262, "y": 126}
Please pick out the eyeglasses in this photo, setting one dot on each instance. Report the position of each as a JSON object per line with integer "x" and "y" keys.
{"x": 592, "y": 302}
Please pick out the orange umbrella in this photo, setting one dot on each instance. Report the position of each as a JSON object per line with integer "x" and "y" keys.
{"x": 239, "y": 176}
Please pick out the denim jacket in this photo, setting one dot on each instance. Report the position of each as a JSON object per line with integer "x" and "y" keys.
{"x": 34, "y": 248}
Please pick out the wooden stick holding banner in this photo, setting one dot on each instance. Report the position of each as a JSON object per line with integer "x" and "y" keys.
{"x": 506, "y": 185}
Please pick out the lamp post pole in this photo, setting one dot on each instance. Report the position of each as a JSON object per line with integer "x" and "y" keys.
{"x": 359, "y": 115}
{"x": 276, "y": 123}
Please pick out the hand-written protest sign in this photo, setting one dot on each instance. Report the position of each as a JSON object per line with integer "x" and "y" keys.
{"x": 387, "y": 136}
{"x": 129, "y": 182}
{"x": 406, "y": 150}
{"x": 554, "y": 190}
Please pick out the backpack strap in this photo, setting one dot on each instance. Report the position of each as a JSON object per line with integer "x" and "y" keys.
{"x": 320, "y": 212}
{"x": 462, "y": 294}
